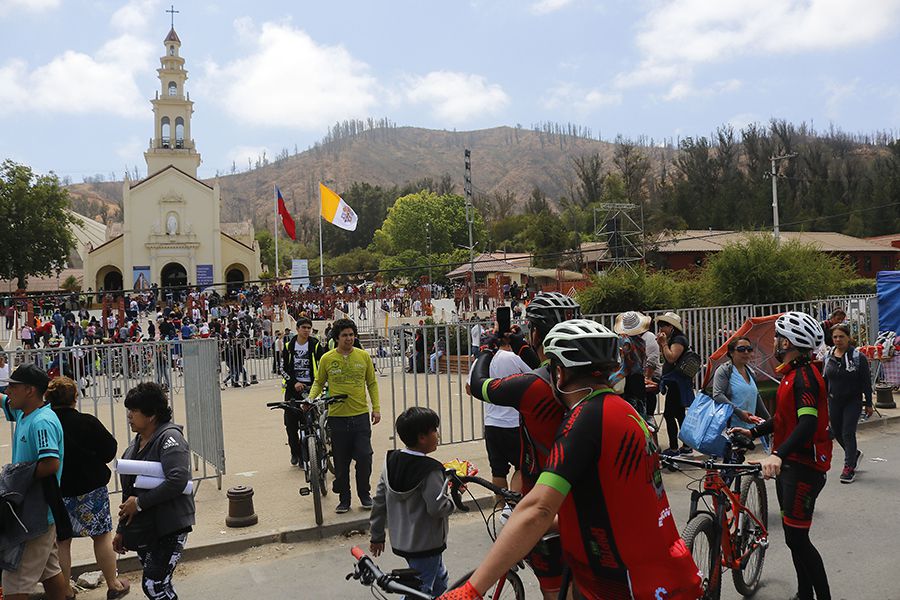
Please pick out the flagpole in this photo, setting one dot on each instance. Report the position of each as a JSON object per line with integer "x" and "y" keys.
{"x": 321, "y": 261}
{"x": 275, "y": 198}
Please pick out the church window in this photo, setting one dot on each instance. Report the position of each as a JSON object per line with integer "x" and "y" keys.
{"x": 166, "y": 131}
{"x": 173, "y": 88}
{"x": 179, "y": 132}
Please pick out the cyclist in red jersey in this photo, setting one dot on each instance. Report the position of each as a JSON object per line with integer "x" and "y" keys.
{"x": 603, "y": 479}
{"x": 801, "y": 445}
{"x": 541, "y": 415}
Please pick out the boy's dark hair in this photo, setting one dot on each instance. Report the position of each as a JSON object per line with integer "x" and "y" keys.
{"x": 303, "y": 321}
{"x": 342, "y": 324}
{"x": 416, "y": 421}
{"x": 150, "y": 399}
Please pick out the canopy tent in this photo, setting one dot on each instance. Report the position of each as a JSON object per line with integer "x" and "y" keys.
{"x": 761, "y": 332}
{"x": 887, "y": 286}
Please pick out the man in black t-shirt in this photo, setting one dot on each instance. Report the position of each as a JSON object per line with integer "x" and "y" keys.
{"x": 300, "y": 362}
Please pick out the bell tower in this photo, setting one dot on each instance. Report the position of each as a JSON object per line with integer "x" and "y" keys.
{"x": 172, "y": 108}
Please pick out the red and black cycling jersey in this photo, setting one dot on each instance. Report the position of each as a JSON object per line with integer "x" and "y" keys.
{"x": 617, "y": 530}
{"x": 801, "y": 393}
{"x": 541, "y": 413}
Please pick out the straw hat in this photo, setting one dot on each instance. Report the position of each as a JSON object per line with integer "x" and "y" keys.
{"x": 672, "y": 319}
{"x": 632, "y": 323}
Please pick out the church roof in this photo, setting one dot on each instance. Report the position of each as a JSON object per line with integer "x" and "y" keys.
{"x": 238, "y": 229}
{"x": 172, "y": 37}
{"x": 161, "y": 171}
{"x": 236, "y": 241}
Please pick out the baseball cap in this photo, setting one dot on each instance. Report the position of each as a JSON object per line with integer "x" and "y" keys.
{"x": 30, "y": 374}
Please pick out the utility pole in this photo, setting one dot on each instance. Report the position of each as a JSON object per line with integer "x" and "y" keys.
{"x": 470, "y": 218}
{"x": 774, "y": 175}
{"x": 428, "y": 250}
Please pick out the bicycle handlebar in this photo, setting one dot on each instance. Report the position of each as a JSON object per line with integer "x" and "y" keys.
{"x": 709, "y": 465}
{"x": 452, "y": 477}
{"x": 368, "y": 573}
{"x": 293, "y": 404}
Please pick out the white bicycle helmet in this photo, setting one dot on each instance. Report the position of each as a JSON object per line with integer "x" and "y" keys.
{"x": 549, "y": 308}
{"x": 580, "y": 343}
{"x": 800, "y": 329}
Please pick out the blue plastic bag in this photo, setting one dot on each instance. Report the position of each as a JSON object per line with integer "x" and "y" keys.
{"x": 704, "y": 425}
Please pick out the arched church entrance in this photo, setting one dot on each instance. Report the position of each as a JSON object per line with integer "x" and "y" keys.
{"x": 109, "y": 278}
{"x": 235, "y": 277}
{"x": 174, "y": 275}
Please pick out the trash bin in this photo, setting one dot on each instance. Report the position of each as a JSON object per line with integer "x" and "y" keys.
{"x": 884, "y": 396}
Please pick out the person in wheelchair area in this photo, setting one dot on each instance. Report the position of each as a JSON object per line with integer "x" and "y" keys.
{"x": 299, "y": 365}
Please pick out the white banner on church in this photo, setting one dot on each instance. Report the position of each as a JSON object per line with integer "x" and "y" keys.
{"x": 299, "y": 273}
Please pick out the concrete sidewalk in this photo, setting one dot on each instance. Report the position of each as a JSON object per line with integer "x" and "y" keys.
{"x": 257, "y": 456}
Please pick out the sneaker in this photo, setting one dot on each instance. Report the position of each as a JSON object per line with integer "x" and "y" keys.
{"x": 686, "y": 450}
{"x": 671, "y": 452}
{"x": 366, "y": 504}
{"x": 505, "y": 514}
{"x": 295, "y": 461}
{"x": 342, "y": 508}
{"x": 848, "y": 475}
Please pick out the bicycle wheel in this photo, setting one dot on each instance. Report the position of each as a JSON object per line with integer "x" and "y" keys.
{"x": 699, "y": 536}
{"x": 755, "y": 500}
{"x": 323, "y": 470}
{"x": 509, "y": 588}
{"x": 315, "y": 478}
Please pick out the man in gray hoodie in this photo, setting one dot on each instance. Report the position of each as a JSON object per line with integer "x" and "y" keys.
{"x": 408, "y": 501}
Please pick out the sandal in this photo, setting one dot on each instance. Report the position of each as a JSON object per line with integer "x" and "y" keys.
{"x": 113, "y": 594}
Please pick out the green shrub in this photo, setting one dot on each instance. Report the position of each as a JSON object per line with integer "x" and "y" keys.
{"x": 858, "y": 286}
{"x": 622, "y": 289}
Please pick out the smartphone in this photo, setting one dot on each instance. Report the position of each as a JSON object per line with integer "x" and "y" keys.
{"x": 504, "y": 319}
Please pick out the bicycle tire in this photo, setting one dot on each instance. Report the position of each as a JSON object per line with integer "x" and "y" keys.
{"x": 315, "y": 480}
{"x": 755, "y": 498}
{"x": 512, "y": 589}
{"x": 699, "y": 535}
{"x": 323, "y": 471}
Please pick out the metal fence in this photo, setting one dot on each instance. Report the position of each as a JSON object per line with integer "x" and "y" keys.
{"x": 104, "y": 374}
{"x": 409, "y": 363}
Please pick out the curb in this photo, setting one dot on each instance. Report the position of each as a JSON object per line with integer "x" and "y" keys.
{"x": 872, "y": 422}
{"x": 286, "y": 535}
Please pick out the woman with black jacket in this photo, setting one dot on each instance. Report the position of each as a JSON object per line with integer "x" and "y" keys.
{"x": 89, "y": 447}
{"x": 849, "y": 383}
{"x": 155, "y": 522}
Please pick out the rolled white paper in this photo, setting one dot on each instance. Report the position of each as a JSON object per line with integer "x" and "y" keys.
{"x": 148, "y": 483}
{"x": 140, "y": 467}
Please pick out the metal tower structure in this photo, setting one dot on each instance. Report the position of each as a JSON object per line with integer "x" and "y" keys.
{"x": 623, "y": 233}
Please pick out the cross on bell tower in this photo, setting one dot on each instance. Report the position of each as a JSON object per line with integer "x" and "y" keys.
{"x": 172, "y": 109}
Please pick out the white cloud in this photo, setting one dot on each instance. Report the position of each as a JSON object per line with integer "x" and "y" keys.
{"x": 543, "y": 7}
{"x": 13, "y": 7}
{"x": 682, "y": 90}
{"x": 77, "y": 83}
{"x": 743, "y": 120}
{"x": 287, "y": 80}
{"x": 134, "y": 15}
{"x": 456, "y": 97}
{"x": 678, "y": 35}
{"x": 240, "y": 154}
{"x": 132, "y": 150}
{"x": 837, "y": 93}
{"x": 567, "y": 95}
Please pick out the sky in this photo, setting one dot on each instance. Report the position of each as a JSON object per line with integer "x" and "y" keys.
{"x": 76, "y": 77}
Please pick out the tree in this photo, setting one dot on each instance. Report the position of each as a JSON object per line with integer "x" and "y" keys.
{"x": 589, "y": 171}
{"x": 404, "y": 227}
{"x": 763, "y": 271}
{"x": 71, "y": 284}
{"x": 34, "y": 223}
{"x": 371, "y": 203}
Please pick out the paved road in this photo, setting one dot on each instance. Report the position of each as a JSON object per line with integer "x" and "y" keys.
{"x": 856, "y": 530}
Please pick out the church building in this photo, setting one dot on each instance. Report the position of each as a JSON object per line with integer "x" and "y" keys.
{"x": 171, "y": 234}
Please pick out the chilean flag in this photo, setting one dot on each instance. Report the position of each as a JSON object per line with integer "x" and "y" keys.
{"x": 286, "y": 219}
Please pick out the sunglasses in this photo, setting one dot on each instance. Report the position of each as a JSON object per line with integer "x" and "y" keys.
{"x": 744, "y": 349}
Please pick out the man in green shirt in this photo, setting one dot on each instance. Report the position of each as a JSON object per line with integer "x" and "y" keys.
{"x": 349, "y": 370}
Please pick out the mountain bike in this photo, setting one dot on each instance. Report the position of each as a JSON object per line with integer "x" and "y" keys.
{"x": 404, "y": 581}
{"x": 728, "y": 524}
{"x": 315, "y": 445}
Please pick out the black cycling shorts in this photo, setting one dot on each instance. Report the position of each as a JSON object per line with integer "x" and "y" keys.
{"x": 797, "y": 487}
{"x": 504, "y": 448}
{"x": 545, "y": 559}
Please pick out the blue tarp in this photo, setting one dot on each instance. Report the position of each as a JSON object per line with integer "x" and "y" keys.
{"x": 887, "y": 285}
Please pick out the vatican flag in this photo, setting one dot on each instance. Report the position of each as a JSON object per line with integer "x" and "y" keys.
{"x": 336, "y": 211}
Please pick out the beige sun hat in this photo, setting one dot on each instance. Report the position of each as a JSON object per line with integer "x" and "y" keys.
{"x": 632, "y": 323}
{"x": 672, "y": 319}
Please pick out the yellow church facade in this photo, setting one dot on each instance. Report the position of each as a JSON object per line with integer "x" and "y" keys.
{"x": 171, "y": 234}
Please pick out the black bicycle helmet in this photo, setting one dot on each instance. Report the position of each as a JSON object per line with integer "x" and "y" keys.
{"x": 549, "y": 308}
{"x": 580, "y": 343}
